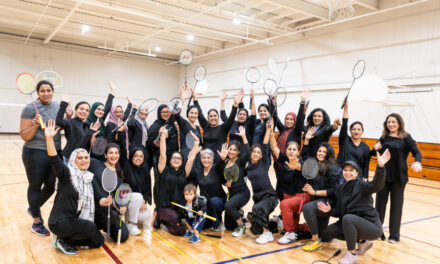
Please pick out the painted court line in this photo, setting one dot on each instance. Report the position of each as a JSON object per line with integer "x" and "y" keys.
{"x": 230, "y": 253}
{"x": 175, "y": 248}
{"x": 111, "y": 254}
{"x": 426, "y": 186}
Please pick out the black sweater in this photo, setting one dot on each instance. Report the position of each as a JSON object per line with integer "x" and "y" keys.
{"x": 210, "y": 184}
{"x": 397, "y": 167}
{"x": 289, "y": 181}
{"x": 323, "y": 133}
{"x": 66, "y": 200}
{"x": 77, "y": 133}
{"x": 354, "y": 197}
{"x": 214, "y": 137}
{"x": 258, "y": 173}
{"x": 349, "y": 151}
{"x": 112, "y": 126}
{"x": 184, "y": 128}
{"x": 171, "y": 186}
{"x": 239, "y": 185}
{"x": 249, "y": 125}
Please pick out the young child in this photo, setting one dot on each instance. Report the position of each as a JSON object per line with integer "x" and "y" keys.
{"x": 194, "y": 221}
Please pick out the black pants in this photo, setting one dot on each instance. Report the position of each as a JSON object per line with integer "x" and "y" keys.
{"x": 316, "y": 219}
{"x": 101, "y": 223}
{"x": 172, "y": 220}
{"x": 232, "y": 207}
{"x": 395, "y": 190}
{"x": 40, "y": 177}
{"x": 262, "y": 208}
{"x": 78, "y": 232}
{"x": 354, "y": 228}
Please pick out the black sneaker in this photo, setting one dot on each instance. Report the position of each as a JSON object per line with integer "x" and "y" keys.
{"x": 382, "y": 237}
{"x": 301, "y": 235}
{"x": 39, "y": 229}
{"x": 66, "y": 248}
{"x": 30, "y": 214}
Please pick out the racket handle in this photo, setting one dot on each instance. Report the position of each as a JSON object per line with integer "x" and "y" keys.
{"x": 345, "y": 101}
{"x": 41, "y": 122}
{"x": 250, "y": 103}
{"x": 119, "y": 236}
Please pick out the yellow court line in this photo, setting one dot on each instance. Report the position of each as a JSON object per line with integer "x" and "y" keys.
{"x": 224, "y": 249}
{"x": 175, "y": 248}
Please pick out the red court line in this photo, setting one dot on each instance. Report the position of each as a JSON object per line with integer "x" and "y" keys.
{"x": 111, "y": 254}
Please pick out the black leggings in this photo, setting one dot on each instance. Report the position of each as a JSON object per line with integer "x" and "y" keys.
{"x": 232, "y": 207}
{"x": 39, "y": 174}
{"x": 354, "y": 228}
{"x": 316, "y": 219}
{"x": 101, "y": 223}
{"x": 78, "y": 232}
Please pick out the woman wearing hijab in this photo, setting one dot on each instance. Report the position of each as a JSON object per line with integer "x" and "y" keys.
{"x": 72, "y": 216}
{"x": 320, "y": 120}
{"x": 243, "y": 119}
{"x": 116, "y": 115}
{"x": 138, "y": 132}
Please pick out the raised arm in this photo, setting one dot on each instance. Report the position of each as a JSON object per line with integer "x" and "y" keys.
{"x": 378, "y": 181}
{"x": 223, "y": 114}
{"x": 55, "y": 161}
{"x": 60, "y": 115}
{"x": 128, "y": 109}
{"x": 273, "y": 142}
{"x": 163, "y": 150}
{"x": 306, "y": 151}
{"x": 192, "y": 154}
{"x": 237, "y": 99}
{"x": 343, "y": 133}
{"x": 202, "y": 120}
{"x": 109, "y": 102}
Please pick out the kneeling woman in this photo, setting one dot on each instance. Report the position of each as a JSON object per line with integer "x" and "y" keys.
{"x": 72, "y": 215}
{"x": 358, "y": 220}
{"x": 173, "y": 178}
{"x": 265, "y": 197}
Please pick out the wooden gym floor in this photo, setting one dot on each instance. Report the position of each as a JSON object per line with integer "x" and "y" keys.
{"x": 419, "y": 243}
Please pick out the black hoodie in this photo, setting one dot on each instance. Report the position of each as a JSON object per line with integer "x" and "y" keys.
{"x": 323, "y": 132}
{"x": 138, "y": 177}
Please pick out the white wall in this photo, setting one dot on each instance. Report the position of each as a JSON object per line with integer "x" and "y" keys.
{"x": 85, "y": 77}
{"x": 402, "y": 47}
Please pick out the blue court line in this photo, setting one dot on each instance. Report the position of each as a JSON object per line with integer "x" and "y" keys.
{"x": 297, "y": 246}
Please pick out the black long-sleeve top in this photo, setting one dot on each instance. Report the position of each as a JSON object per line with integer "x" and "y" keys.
{"x": 258, "y": 173}
{"x": 349, "y": 151}
{"x": 214, "y": 137}
{"x": 249, "y": 125}
{"x": 289, "y": 181}
{"x": 66, "y": 200}
{"x": 295, "y": 133}
{"x": 129, "y": 112}
{"x": 397, "y": 167}
{"x": 324, "y": 130}
{"x": 77, "y": 133}
{"x": 239, "y": 185}
{"x": 103, "y": 127}
{"x": 210, "y": 184}
{"x": 171, "y": 185}
{"x": 354, "y": 197}
{"x": 184, "y": 128}
{"x": 135, "y": 139}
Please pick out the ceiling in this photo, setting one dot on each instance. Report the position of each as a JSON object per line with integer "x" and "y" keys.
{"x": 160, "y": 28}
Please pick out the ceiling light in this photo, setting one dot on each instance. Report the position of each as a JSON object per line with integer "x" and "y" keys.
{"x": 236, "y": 21}
{"x": 157, "y": 49}
{"x": 190, "y": 37}
{"x": 84, "y": 29}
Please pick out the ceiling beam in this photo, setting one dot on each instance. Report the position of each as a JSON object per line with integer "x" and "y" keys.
{"x": 369, "y": 4}
{"x": 302, "y": 7}
{"x": 63, "y": 22}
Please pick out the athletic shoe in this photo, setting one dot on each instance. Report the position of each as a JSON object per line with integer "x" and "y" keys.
{"x": 39, "y": 229}
{"x": 30, "y": 214}
{"x": 289, "y": 237}
{"x": 349, "y": 259}
{"x": 393, "y": 240}
{"x": 55, "y": 241}
{"x": 217, "y": 229}
{"x": 194, "y": 239}
{"x": 66, "y": 248}
{"x": 301, "y": 235}
{"x": 133, "y": 229}
{"x": 156, "y": 221}
{"x": 382, "y": 237}
{"x": 364, "y": 247}
{"x": 313, "y": 246}
{"x": 188, "y": 234}
{"x": 239, "y": 231}
{"x": 264, "y": 238}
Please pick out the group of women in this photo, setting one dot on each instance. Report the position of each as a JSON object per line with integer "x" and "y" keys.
{"x": 133, "y": 149}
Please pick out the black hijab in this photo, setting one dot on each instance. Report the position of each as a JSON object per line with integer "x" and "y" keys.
{"x": 138, "y": 177}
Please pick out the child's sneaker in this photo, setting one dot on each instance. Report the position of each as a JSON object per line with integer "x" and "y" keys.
{"x": 313, "y": 246}
{"x": 239, "y": 231}
{"x": 188, "y": 233}
{"x": 194, "y": 239}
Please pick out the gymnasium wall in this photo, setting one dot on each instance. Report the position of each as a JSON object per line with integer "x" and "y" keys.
{"x": 85, "y": 77}
{"x": 401, "y": 46}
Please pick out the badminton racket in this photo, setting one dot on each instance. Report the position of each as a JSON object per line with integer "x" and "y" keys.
{"x": 231, "y": 173}
{"x": 199, "y": 75}
{"x": 26, "y": 84}
{"x": 309, "y": 170}
{"x": 185, "y": 58}
{"x": 252, "y": 76}
{"x": 188, "y": 209}
{"x": 122, "y": 198}
{"x": 146, "y": 107}
{"x": 109, "y": 182}
{"x": 358, "y": 71}
{"x": 328, "y": 260}
{"x": 284, "y": 70}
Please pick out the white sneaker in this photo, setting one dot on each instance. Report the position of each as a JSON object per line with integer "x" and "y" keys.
{"x": 146, "y": 225}
{"x": 289, "y": 237}
{"x": 133, "y": 229}
{"x": 239, "y": 231}
{"x": 264, "y": 238}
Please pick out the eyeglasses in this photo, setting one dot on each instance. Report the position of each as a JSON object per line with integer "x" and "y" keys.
{"x": 165, "y": 112}
{"x": 176, "y": 158}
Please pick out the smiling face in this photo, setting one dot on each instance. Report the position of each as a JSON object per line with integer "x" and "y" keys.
{"x": 138, "y": 158}
{"x": 256, "y": 154}
{"x": 118, "y": 112}
{"x": 45, "y": 93}
{"x": 321, "y": 153}
{"x": 242, "y": 116}
{"x": 82, "y": 111}
{"x": 82, "y": 160}
{"x": 392, "y": 124}
{"x": 318, "y": 117}
{"x": 165, "y": 113}
{"x": 99, "y": 111}
{"x": 292, "y": 150}
{"x": 207, "y": 160}
{"x": 233, "y": 152}
{"x": 289, "y": 122}
{"x": 356, "y": 131}
{"x": 263, "y": 112}
{"x": 349, "y": 173}
{"x": 193, "y": 115}
{"x": 112, "y": 156}
{"x": 213, "y": 118}
{"x": 176, "y": 160}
